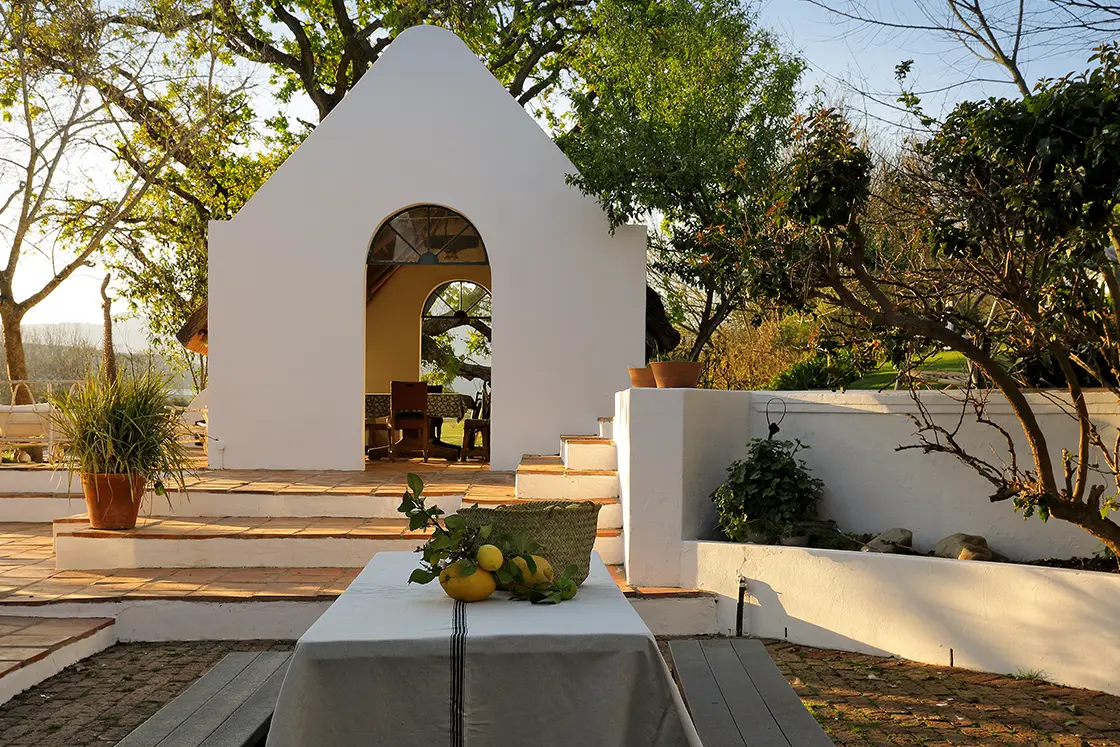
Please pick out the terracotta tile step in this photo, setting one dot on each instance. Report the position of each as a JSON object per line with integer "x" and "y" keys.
{"x": 618, "y": 572}
{"x": 60, "y": 496}
{"x": 26, "y": 640}
{"x": 252, "y": 528}
{"x": 553, "y": 465}
{"x": 592, "y": 440}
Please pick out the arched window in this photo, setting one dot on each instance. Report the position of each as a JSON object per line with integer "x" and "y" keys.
{"x": 427, "y": 235}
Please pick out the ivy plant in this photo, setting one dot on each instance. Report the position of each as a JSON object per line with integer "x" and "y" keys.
{"x": 769, "y": 491}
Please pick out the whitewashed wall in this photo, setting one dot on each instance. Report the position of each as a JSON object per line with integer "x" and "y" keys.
{"x": 675, "y": 445}
{"x": 427, "y": 124}
{"x": 992, "y": 617}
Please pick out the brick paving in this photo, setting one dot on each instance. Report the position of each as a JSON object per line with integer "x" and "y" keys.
{"x": 98, "y": 701}
{"x": 869, "y": 700}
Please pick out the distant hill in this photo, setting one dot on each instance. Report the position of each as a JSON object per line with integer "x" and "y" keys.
{"x": 129, "y": 335}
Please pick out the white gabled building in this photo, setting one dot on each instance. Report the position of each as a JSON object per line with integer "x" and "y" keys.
{"x": 305, "y": 318}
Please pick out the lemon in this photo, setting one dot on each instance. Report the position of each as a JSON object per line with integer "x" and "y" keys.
{"x": 489, "y": 558}
{"x": 542, "y": 576}
{"x": 473, "y": 588}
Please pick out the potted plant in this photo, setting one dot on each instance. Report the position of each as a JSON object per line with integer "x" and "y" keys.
{"x": 676, "y": 372}
{"x": 642, "y": 378}
{"x": 766, "y": 495}
{"x": 121, "y": 436}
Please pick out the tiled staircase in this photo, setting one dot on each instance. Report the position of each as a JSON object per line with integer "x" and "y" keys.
{"x": 227, "y": 522}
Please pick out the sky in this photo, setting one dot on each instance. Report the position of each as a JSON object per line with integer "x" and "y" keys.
{"x": 843, "y": 58}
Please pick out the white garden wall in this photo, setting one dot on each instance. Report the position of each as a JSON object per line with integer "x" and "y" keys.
{"x": 993, "y": 617}
{"x": 675, "y": 445}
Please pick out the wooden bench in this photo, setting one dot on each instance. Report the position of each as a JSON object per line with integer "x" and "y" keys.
{"x": 738, "y": 698}
{"x": 231, "y": 706}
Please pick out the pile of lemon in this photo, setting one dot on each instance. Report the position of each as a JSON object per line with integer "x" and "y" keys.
{"x": 476, "y": 586}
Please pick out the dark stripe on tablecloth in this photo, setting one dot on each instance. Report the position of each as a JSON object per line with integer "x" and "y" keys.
{"x": 458, "y": 663}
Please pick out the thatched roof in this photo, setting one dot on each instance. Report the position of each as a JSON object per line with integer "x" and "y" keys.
{"x": 194, "y": 333}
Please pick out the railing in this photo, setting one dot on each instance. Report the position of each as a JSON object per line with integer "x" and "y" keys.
{"x": 31, "y": 426}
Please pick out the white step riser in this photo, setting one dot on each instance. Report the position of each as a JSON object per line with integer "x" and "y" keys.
{"x": 38, "y": 481}
{"x": 15, "y": 682}
{"x": 561, "y": 487}
{"x": 606, "y": 428}
{"x": 589, "y": 456}
{"x": 40, "y": 508}
{"x": 286, "y": 505}
{"x": 97, "y": 553}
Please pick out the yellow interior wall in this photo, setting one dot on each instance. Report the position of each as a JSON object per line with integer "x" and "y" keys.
{"x": 393, "y": 320}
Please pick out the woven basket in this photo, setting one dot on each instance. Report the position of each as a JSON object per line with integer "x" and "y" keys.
{"x": 564, "y": 529}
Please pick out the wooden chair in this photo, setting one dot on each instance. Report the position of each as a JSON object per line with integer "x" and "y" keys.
{"x": 477, "y": 427}
{"x": 437, "y": 423}
{"x": 408, "y": 413}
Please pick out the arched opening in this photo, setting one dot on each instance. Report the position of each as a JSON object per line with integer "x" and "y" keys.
{"x": 427, "y": 320}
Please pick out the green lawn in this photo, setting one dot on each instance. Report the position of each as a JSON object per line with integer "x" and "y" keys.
{"x": 883, "y": 377}
{"x": 452, "y": 432}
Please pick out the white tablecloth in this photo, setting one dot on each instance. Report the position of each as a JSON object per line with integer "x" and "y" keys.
{"x": 396, "y": 664}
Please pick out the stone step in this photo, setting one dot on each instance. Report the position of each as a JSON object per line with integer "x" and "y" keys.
{"x": 546, "y": 478}
{"x": 588, "y": 452}
{"x": 33, "y": 649}
{"x": 240, "y": 542}
{"x": 606, "y": 427}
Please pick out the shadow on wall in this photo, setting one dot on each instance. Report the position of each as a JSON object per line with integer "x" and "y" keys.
{"x": 763, "y": 614}
{"x": 994, "y": 617}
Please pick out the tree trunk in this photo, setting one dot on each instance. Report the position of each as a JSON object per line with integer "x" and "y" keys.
{"x": 14, "y": 356}
{"x": 108, "y": 355}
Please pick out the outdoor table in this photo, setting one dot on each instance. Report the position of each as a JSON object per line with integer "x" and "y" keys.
{"x": 440, "y": 405}
{"x": 392, "y": 663}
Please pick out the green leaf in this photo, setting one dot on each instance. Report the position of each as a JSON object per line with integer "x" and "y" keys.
{"x": 417, "y": 521}
{"x": 415, "y": 484}
{"x": 420, "y": 576}
{"x": 484, "y": 531}
{"x": 455, "y": 522}
{"x": 467, "y": 567}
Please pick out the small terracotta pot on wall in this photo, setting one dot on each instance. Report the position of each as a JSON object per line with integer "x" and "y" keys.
{"x": 113, "y": 501}
{"x": 677, "y": 374}
{"x": 642, "y": 378}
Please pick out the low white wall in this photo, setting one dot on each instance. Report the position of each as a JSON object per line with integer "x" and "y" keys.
{"x": 994, "y": 617}
{"x": 675, "y": 446}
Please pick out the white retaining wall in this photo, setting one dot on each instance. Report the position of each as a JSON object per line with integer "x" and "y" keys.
{"x": 675, "y": 445}
{"x": 993, "y": 617}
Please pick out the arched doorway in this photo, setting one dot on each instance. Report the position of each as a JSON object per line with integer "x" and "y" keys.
{"x": 427, "y": 311}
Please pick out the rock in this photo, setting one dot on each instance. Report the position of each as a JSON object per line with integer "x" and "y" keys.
{"x": 877, "y": 545}
{"x": 896, "y": 541}
{"x": 897, "y": 536}
{"x": 964, "y": 547}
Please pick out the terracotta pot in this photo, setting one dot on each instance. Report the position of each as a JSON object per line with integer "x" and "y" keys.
{"x": 677, "y": 374}
{"x": 642, "y": 378}
{"x": 113, "y": 501}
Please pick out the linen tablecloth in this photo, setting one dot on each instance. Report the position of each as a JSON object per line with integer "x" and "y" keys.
{"x": 440, "y": 405}
{"x": 391, "y": 663}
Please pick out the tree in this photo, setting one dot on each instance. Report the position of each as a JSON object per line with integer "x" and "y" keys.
{"x": 680, "y": 111}
{"x": 58, "y": 123}
{"x": 998, "y": 239}
{"x": 988, "y": 41}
